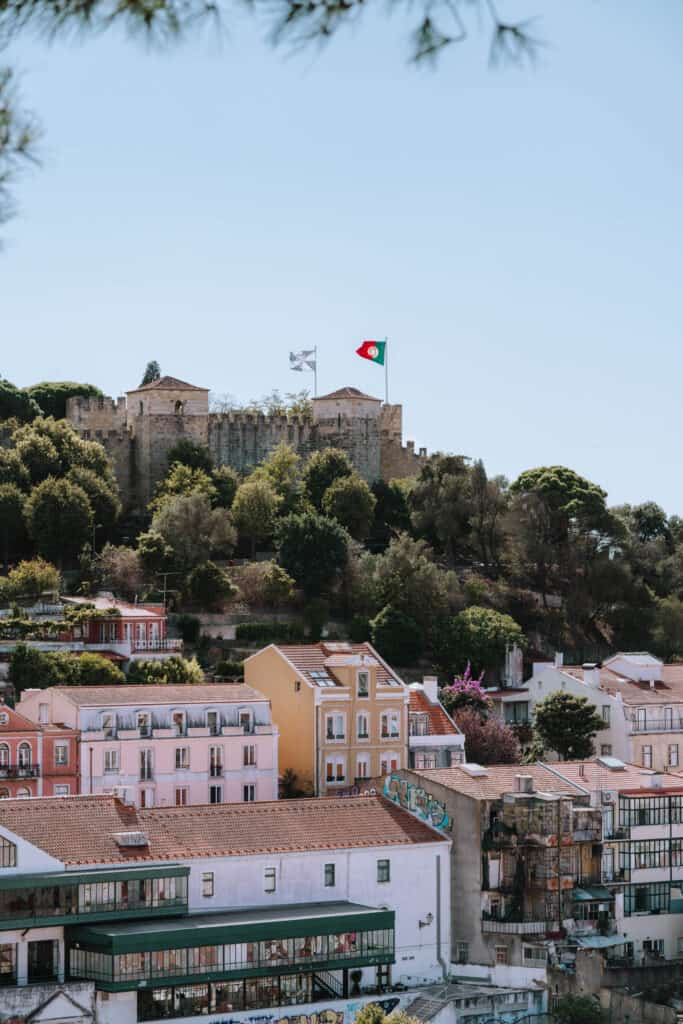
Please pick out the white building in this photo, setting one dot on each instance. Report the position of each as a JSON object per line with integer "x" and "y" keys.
{"x": 215, "y": 910}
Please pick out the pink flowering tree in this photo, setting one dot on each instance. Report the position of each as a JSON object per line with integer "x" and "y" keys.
{"x": 466, "y": 692}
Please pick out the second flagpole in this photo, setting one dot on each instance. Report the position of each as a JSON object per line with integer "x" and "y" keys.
{"x": 386, "y": 371}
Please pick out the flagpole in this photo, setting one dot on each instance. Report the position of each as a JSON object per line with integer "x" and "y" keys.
{"x": 315, "y": 372}
{"x": 386, "y": 371}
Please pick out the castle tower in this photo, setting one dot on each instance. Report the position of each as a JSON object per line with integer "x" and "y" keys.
{"x": 351, "y": 420}
{"x": 159, "y": 415}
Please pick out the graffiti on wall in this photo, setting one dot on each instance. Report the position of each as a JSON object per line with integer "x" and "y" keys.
{"x": 418, "y": 801}
{"x": 327, "y": 1016}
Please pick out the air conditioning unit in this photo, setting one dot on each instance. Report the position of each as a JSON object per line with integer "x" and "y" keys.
{"x": 608, "y": 797}
{"x": 128, "y": 839}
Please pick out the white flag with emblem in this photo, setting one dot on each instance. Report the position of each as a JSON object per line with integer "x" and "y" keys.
{"x": 304, "y": 360}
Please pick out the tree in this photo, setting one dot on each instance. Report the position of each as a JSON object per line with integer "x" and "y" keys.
{"x": 193, "y": 530}
{"x": 52, "y": 396}
{"x": 88, "y": 669}
{"x": 441, "y": 506}
{"x": 169, "y": 670}
{"x": 481, "y": 636}
{"x": 392, "y": 514}
{"x": 12, "y": 525}
{"x": 226, "y": 481}
{"x": 30, "y": 668}
{"x": 14, "y": 403}
{"x": 156, "y": 554}
{"x": 567, "y": 724}
{"x": 152, "y": 373}
{"x": 466, "y": 692}
{"x": 208, "y": 587}
{"x": 312, "y": 549}
{"x": 183, "y": 480}
{"x": 668, "y": 628}
{"x": 350, "y": 501}
{"x": 59, "y": 519}
{"x": 102, "y": 494}
{"x": 578, "y": 1010}
{"x": 396, "y": 636}
{"x": 320, "y": 472}
{"x": 282, "y": 468}
{"x": 254, "y": 510}
{"x": 263, "y": 584}
{"x": 32, "y": 581}
{"x": 121, "y": 570}
{"x": 13, "y": 470}
{"x": 487, "y": 740}
{"x": 40, "y": 457}
{"x": 190, "y": 453}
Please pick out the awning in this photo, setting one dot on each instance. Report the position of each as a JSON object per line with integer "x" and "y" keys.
{"x": 122, "y": 874}
{"x": 594, "y": 893}
{"x": 600, "y": 941}
{"x": 294, "y": 921}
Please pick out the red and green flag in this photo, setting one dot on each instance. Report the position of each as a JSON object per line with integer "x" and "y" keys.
{"x": 375, "y": 351}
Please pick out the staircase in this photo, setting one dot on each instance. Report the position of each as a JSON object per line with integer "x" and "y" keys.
{"x": 329, "y": 984}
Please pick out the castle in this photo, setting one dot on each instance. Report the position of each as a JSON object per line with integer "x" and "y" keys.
{"x": 139, "y": 429}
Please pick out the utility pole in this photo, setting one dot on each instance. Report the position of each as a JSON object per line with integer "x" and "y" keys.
{"x": 164, "y": 588}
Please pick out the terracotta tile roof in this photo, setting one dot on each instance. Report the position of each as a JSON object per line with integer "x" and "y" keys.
{"x": 499, "y": 779}
{"x": 346, "y": 393}
{"x": 78, "y": 830}
{"x": 666, "y": 691}
{"x": 439, "y": 722}
{"x": 324, "y": 657}
{"x": 595, "y": 776}
{"x": 210, "y": 693}
{"x": 166, "y": 384}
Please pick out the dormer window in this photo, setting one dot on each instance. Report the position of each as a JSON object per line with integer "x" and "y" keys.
{"x": 213, "y": 723}
{"x": 246, "y": 719}
{"x": 108, "y": 725}
{"x": 144, "y": 723}
{"x": 179, "y": 722}
{"x": 363, "y": 683}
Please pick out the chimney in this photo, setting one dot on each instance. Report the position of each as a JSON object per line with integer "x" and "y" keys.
{"x": 430, "y": 685}
{"x": 591, "y": 674}
{"x": 524, "y": 783}
{"x": 559, "y": 659}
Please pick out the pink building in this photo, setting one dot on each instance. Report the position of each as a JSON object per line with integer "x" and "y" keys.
{"x": 167, "y": 745}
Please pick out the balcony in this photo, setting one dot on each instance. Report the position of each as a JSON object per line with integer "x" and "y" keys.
{"x": 157, "y": 645}
{"x": 499, "y": 927}
{"x": 19, "y": 771}
{"x": 655, "y": 724}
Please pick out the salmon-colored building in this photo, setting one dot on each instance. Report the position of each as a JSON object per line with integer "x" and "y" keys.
{"x": 36, "y": 759}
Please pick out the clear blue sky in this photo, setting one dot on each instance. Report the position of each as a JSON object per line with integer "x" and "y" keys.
{"x": 517, "y": 235}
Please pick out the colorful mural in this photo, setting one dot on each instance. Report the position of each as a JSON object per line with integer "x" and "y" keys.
{"x": 418, "y": 801}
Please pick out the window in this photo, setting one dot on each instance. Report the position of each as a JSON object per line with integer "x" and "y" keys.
{"x": 144, "y": 723}
{"x": 363, "y": 726}
{"x": 182, "y": 758}
{"x": 43, "y": 714}
{"x": 4, "y": 755}
{"x": 668, "y": 718}
{"x": 23, "y": 793}
{"x": 179, "y": 723}
{"x": 111, "y": 760}
{"x": 390, "y": 727}
{"x": 335, "y": 769}
{"x": 329, "y": 876}
{"x": 248, "y": 794}
{"x": 145, "y": 764}
{"x": 181, "y": 796}
{"x": 24, "y": 755}
{"x": 8, "y": 853}
{"x": 269, "y": 880}
{"x": 215, "y": 762}
{"x": 605, "y": 713}
{"x": 108, "y": 725}
{"x": 249, "y": 756}
{"x": 673, "y": 755}
{"x": 463, "y": 952}
{"x": 146, "y": 798}
{"x": 605, "y": 749}
{"x": 8, "y": 963}
{"x": 207, "y": 884}
{"x": 246, "y": 720}
{"x": 383, "y": 871}
{"x": 60, "y": 790}
{"x": 501, "y": 954}
{"x": 61, "y": 754}
{"x": 363, "y": 683}
{"x": 334, "y": 727}
{"x": 388, "y": 763}
{"x": 213, "y": 723}
{"x": 362, "y": 770}
{"x": 423, "y": 760}
{"x": 647, "y": 756}
{"x": 215, "y": 794}
{"x": 297, "y": 685}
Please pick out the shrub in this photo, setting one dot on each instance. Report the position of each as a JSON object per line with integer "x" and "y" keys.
{"x": 189, "y": 627}
{"x": 270, "y": 632}
{"x": 208, "y": 587}
{"x": 396, "y": 636}
{"x": 168, "y": 670}
{"x": 231, "y": 670}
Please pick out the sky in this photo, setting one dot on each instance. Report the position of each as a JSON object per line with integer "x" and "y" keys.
{"x": 516, "y": 234}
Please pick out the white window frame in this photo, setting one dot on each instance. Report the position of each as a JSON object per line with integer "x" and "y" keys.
{"x": 335, "y": 727}
{"x": 672, "y": 754}
{"x": 362, "y": 692}
{"x": 24, "y": 755}
{"x": 360, "y": 717}
{"x": 108, "y": 731}
{"x": 249, "y": 755}
{"x": 208, "y": 885}
{"x": 180, "y": 796}
{"x": 385, "y": 759}
{"x": 146, "y": 764}
{"x": 179, "y": 729}
{"x": 248, "y": 793}
{"x": 63, "y": 788}
{"x": 329, "y": 872}
{"x": 362, "y": 761}
{"x": 337, "y": 761}
{"x": 182, "y": 759}
{"x": 4, "y": 755}
{"x": 215, "y": 762}
{"x": 646, "y": 755}
{"x": 62, "y": 761}
{"x": 143, "y": 724}
{"x": 391, "y": 720}
{"x": 217, "y": 789}
{"x": 606, "y": 712}
{"x": 245, "y": 719}
{"x": 270, "y": 879}
{"x": 112, "y": 761}
{"x": 217, "y": 730}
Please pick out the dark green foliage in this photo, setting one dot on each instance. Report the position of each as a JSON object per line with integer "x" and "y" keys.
{"x": 226, "y": 481}
{"x": 232, "y": 671}
{"x": 189, "y": 627}
{"x": 52, "y": 396}
{"x": 166, "y": 671}
{"x": 104, "y": 500}
{"x": 396, "y": 636}
{"x": 350, "y": 501}
{"x": 312, "y": 549}
{"x": 59, "y": 519}
{"x": 15, "y": 403}
{"x": 567, "y": 724}
{"x": 476, "y": 635}
{"x": 31, "y": 668}
{"x": 578, "y": 1010}
{"x": 13, "y": 470}
{"x": 13, "y": 536}
{"x": 322, "y": 469}
{"x": 191, "y": 453}
{"x": 269, "y": 632}
{"x": 156, "y": 554}
{"x": 359, "y": 629}
{"x": 152, "y": 373}
{"x": 208, "y": 588}
{"x": 392, "y": 513}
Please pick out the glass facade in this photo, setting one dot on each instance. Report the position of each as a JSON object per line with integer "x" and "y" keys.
{"x": 651, "y": 810}
{"x": 224, "y": 996}
{"x": 270, "y": 956}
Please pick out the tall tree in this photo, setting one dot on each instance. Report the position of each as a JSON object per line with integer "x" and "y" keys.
{"x": 567, "y": 725}
{"x": 320, "y": 472}
{"x": 193, "y": 530}
{"x": 254, "y": 510}
{"x": 487, "y": 740}
{"x": 350, "y": 501}
{"x": 12, "y": 525}
{"x": 52, "y": 396}
{"x": 312, "y": 549}
{"x": 59, "y": 518}
{"x": 14, "y": 403}
{"x": 152, "y": 373}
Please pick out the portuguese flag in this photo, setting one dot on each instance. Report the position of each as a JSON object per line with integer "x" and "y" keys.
{"x": 373, "y": 350}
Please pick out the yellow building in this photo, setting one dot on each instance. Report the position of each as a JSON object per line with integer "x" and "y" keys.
{"x": 341, "y": 710}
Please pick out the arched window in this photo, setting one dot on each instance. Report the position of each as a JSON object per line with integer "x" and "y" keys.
{"x": 4, "y": 793}
{"x": 141, "y": 408}
{"x": 23, "y": 793}
{"x": 4, "y": 755}
{"x": 179, "y": 408}
{"x": 24, "y": 755}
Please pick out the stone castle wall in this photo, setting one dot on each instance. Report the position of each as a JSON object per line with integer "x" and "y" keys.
{"x": 138, "y": 439}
